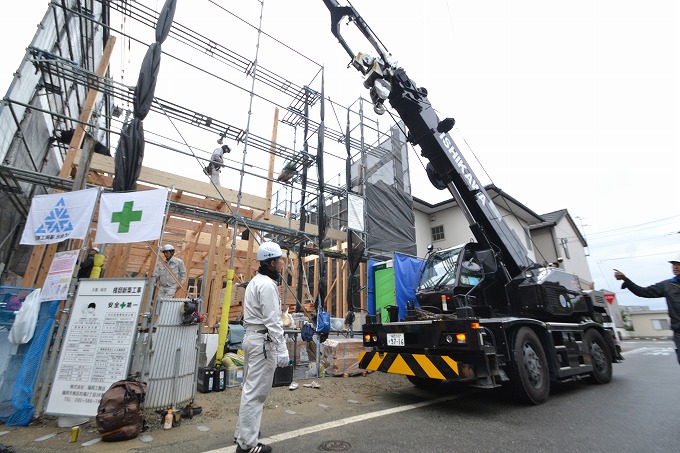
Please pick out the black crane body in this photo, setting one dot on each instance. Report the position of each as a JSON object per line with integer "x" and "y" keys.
{"x": 485, "y": 314}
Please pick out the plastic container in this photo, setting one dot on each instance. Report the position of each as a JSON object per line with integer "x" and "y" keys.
{"x": 206, "y": 379}
{"x": 234, "y": 376}
{"x": 167, "y": 421}
{"x": 220, "y": 379}
{"x": 298, "y": 319}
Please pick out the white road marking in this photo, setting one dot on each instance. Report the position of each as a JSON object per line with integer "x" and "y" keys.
{"x": 650, "y": 351}
{"x": 342, "y": 422}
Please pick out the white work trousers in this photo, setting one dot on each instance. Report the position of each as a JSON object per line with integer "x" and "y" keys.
{"x": 258, "y": 375}
{"x": 215, "y": 176}
{"x": 166, "y": 292}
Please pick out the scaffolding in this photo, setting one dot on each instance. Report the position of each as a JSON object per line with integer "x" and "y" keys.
{"x": 59, "y": 70}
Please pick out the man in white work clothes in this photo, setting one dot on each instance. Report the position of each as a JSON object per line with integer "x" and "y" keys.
{"x": 216, "y": 163}
{"x": 264, "y": 346}
{"x": 171, "y": 274}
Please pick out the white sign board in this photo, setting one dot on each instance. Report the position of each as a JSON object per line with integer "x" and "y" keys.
{"x": 97, "y": 349}
{"x": 355, "y": 212}
{"x": 59, "y": 277}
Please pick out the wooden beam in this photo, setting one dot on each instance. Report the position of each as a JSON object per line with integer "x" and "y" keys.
{"x": 41, "y": 256}
{"x": 338, "y": 286}
{"x": 182, "y": 183}
{"x": 191, "y": 186}
{"x": 86, "y": 113}
{"x": 272, "y": 160}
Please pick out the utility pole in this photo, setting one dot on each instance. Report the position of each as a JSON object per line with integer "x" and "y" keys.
{"x": 583, "y": 232}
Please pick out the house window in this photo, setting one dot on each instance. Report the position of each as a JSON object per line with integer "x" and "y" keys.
{"x": 660, "y": 324}
{"x": 564, "y": 242}
{"x": 527, "y": 239}
{"x": 437, "y": 233}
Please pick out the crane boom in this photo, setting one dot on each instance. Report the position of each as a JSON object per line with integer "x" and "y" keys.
{"x": 447, "y": 167}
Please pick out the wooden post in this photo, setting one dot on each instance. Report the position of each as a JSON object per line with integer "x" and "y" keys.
{"x": 339, "y": 297}
{"x": 272, "y": 158}
{"x": 43, "y": 254}
{"x": 214, "y": 292}
{"x": 86, "y": 114}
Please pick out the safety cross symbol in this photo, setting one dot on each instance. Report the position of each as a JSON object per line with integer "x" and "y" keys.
{"x": 57, "y": 221}
{"x": 126, "y": 216}
{"x": 131, "y": 216}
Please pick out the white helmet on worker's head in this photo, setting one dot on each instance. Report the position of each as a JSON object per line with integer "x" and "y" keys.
{"x": 167, "y": 248}
{"x": 268, "y": 250}
{"x": 675, "y": 259}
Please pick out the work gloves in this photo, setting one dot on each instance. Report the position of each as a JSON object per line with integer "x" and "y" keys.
{"x": 282, "y": 358}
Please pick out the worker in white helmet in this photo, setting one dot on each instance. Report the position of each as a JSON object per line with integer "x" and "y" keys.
{"x": 264, "y": 346}
{"x": 170, "y": 274}
{"x": 216, "y": 164}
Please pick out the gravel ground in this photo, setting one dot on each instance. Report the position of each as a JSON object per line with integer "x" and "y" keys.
{"x": 218, "y": 416}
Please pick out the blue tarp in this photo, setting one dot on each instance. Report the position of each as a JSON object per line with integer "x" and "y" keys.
{"x": 371, "y": 287}
{"x": 406, "y": 274}
{"x": 18, "y": 410}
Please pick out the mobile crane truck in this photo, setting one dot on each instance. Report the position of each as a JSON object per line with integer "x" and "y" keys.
{"x": 486, "y": 314}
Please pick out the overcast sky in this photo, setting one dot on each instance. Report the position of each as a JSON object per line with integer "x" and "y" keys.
{"x": 566, "y": 105}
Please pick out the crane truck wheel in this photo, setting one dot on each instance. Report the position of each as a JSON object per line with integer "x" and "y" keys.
{"x": 424, "y": 383}
{"x": 530, "y": 373}
{"x": 600, "y": 356}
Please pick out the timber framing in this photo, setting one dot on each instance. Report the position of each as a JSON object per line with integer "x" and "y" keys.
{"x": 201, "y": 224}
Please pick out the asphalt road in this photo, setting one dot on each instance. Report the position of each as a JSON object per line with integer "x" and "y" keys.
{"x": 636, "y": 412}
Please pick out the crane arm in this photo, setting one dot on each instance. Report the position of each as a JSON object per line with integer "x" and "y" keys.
{"x": 447, "y": 168}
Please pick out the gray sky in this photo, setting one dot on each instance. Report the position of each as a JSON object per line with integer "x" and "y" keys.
{"x": 570, "y": 105}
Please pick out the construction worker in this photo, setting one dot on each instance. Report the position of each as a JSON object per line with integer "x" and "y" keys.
{"x": 216, "y": 163}
{"x": 264, "y": 346}
{"x": 88, "y": 263}
{"x": 171, "y": 274}
{"x": 670, "y": 289}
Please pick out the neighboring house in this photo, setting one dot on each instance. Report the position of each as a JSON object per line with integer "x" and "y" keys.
{"x": 443, "y": 224}
{"x": 651, "y": 323}
{"x": 551, "y": 238}
{"x": 558, "y": 240}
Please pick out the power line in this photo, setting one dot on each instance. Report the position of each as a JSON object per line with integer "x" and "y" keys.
{"x": 637, "y": 225}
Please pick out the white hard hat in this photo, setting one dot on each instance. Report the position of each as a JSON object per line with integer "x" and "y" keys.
{"x": 675, "y": 259}
{"x": 268, "y": 250}
{"x": 167, "y": 248}
{"x": 95, "y": 249}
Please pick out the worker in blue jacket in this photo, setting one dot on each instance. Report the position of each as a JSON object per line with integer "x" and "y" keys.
{"x": 670, "y": 289}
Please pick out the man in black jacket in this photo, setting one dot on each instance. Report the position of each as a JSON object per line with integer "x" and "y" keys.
{"x": 87, "y": 264}
{"x": 670, "y": 289}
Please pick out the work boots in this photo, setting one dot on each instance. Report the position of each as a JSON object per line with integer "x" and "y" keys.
{"x": 259, "y": 448}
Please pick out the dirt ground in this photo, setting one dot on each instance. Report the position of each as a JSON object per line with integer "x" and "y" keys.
{"x": 218, "y": 415}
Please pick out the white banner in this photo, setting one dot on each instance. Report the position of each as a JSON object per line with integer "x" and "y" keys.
{"x": 355, "y": 212}
{"x": 131, "y": 216}
{"x": 58, "y": 217}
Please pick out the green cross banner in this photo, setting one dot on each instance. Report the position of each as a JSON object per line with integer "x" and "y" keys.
{"x": 131, "y": 216}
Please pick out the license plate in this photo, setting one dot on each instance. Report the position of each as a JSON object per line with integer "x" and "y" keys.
{"x": 395, "y": 339}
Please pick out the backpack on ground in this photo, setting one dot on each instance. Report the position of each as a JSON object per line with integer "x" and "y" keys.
{"x": 120, "y": 416}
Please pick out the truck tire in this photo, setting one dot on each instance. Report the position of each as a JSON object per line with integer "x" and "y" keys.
{"x": 530, "y": 373}
{"x": 600, "y": 356}
{"x": 424, "y": 383}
